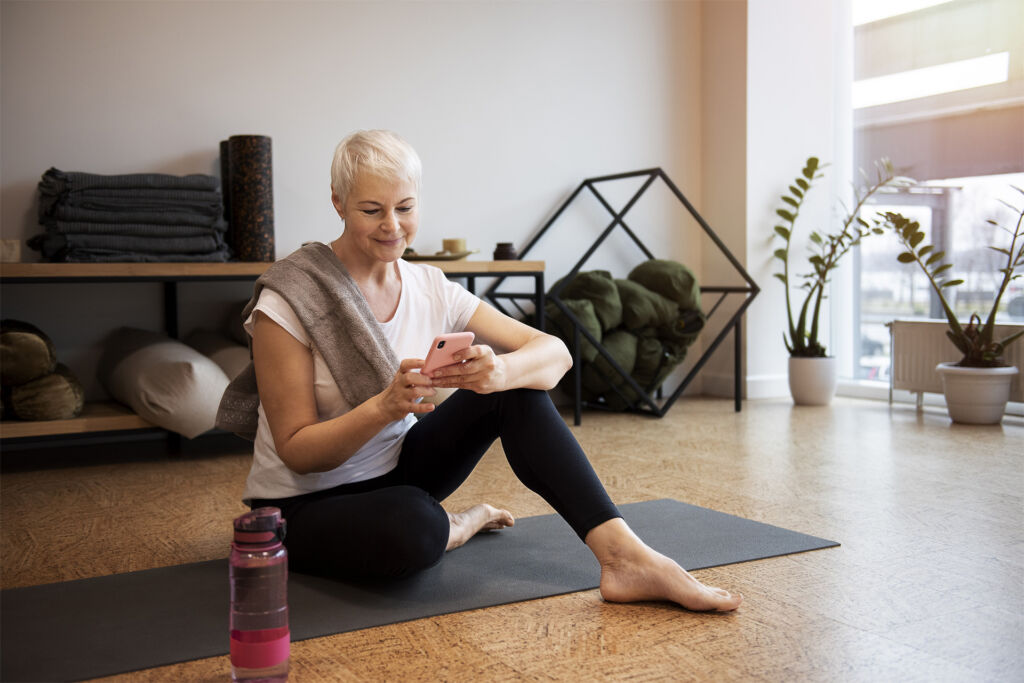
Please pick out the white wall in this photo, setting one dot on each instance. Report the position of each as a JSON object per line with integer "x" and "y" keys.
{"x": 724, "y": 151}
{"x": 797, "y": 107}
{"x": 775, "y": 91}
{"x": 510, "y": 105}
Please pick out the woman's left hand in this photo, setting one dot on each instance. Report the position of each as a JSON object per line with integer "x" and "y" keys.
{"x": 483, "y": 371}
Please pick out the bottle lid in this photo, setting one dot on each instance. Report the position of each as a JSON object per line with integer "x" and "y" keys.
{"x": 260, "y": 526}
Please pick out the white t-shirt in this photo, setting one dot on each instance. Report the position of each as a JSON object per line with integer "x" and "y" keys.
{"x": 429, "y": 305}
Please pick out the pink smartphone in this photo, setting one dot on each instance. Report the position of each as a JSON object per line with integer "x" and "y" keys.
{"x": 444, "y": 346}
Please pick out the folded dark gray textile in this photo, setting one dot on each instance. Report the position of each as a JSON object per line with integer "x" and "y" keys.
{"x": 53, "y": 244}
{"x": 139, "y": 193}
{"x": 204, "y": 201}
{"x": 141, "y": 229}
{"x": 113, "y": 256}
{"x": 205, "y": 208}
{"x": 55, "y": 181}
{"x": 167, "y": 216}
{"x": 133, "y": 217}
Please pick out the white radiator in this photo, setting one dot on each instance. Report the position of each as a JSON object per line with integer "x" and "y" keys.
{"x": 919, "y": 345}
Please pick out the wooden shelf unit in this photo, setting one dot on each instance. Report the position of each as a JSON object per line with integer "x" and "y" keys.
{"x": 121, "y": 272}
{"x": 156, "y": 272}
{"x": 105, "y": 416}
{"x": 95, "y": 417}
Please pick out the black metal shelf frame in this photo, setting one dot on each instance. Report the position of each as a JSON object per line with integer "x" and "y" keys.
{"x": 646, "y": 404}
{"x": 537, "y": 295}
{"x": 170, "y": 287}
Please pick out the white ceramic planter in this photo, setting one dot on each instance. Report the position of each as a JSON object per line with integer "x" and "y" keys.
{"x": 812, "y": 381}
{"x": 976, "y": 395}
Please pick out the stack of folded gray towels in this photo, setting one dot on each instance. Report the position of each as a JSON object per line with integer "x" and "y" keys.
{"x": 135, "y": 217}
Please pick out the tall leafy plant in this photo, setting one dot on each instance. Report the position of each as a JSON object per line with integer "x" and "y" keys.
{"x": 827, "y": 248}
{"x": 976, "y": 339}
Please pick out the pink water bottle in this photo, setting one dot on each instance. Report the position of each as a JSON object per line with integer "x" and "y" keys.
{"x": 260, "y": 640}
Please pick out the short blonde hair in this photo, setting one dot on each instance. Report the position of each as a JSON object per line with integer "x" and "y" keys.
{"x": 381, "y": 153}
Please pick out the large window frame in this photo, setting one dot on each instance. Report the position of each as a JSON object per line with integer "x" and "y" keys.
{"x": 969, "y": 133}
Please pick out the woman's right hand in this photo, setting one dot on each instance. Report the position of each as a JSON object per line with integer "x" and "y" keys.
{"x": 305, "y": 443}
{"x": 406, "y": 392}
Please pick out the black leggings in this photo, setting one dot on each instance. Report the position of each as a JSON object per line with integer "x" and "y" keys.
{"x": 393, "y": 525}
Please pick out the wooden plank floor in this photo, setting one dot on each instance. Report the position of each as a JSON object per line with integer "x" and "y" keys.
{"x": 927, "y": 586}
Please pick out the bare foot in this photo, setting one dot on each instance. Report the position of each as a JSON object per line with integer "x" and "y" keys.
{"x": 466, "y": 524}
{"x": 632, "y": 572}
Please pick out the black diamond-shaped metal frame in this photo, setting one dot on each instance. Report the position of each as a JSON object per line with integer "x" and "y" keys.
{"x": 646, "y": 403}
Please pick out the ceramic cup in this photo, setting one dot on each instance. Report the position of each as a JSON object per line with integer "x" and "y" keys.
{"x": 455, "y": 245}
{"x": 505, "y": 251}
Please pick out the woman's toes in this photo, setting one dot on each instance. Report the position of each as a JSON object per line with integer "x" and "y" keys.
{"x": 478, "y": 518}
{"x": 503, "y": 519}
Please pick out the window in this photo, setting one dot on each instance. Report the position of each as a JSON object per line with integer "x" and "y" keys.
{"x": 965, "y": 147}
{"x": 954, "y": 214}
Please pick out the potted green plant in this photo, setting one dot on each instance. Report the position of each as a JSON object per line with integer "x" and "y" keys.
{"x": 978, "y": 386}
{"x": 812, "y": 372}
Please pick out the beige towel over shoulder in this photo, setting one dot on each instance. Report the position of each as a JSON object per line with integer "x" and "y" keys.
{"x": 335, "y": 317}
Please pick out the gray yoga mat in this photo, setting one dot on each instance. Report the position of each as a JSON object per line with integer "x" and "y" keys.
{"x": 112, "y": 624}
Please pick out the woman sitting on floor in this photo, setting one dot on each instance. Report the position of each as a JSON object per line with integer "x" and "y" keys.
{"x": 338, "y": 334}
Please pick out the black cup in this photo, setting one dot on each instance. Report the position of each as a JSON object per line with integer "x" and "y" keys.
{"x": 505, "y": 251}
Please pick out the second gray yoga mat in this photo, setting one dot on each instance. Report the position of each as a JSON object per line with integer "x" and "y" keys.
{"x": 112, "y": 624}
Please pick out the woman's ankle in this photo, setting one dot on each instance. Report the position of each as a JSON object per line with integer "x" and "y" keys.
{"x": 613, "y": 541}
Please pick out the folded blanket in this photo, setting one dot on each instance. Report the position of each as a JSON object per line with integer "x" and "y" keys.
{"x": 55, "y": 181}
{"x": 53, "y": 244}
{"x": 133, "y": 217}
{"x": 146, "y": 193}
{"x": 166, "y": 216}
{"x": 132, "y": 199}
{"x": 113, "y": 256}
{"x": 203, "y": 208}
{"x": 140, "y": 229}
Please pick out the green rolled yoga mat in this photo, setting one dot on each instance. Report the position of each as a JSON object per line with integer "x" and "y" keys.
{"x": 112, "y": 624}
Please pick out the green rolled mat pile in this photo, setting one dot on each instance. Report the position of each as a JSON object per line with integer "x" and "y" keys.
{"x": 645, "y": 322}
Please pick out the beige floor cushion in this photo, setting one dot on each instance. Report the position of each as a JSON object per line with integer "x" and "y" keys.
{"x": 163, "y": 380}
{"x": 226, "y": 353}
{"x": 26, "y": 353}
{"x": 56, "y": 396}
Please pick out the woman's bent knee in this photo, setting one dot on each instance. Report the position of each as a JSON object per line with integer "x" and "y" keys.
{"x": 413, "y": 534}
{"x": 390, "y": 532}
